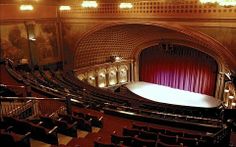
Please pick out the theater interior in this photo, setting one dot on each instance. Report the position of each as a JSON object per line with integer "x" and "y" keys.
{"x": 117, "y": 73}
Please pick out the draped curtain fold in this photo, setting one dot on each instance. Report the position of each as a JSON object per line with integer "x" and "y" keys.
{"x": 179, "y": 67}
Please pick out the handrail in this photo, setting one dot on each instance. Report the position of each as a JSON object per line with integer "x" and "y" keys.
{"x": 14, "y": 86}
{"x": 29, "y": 98}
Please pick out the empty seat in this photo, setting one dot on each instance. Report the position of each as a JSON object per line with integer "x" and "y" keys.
{"x": 167, "y": 138}
{"x": 192, "y": 142}
{"x": 162, "y": 144}
{"x": 139, "y": 142}
{"x": 100, "y": 143}
{"x": 157, "y": 130}
{"x": 119, "y": 139}
{"x": 130, "y": 132}
{"x": 147, "y": 135}
{"x": 174, "y": 133}
{"x": 139, "y": 127}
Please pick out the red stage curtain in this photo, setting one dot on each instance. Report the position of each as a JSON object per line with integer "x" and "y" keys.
{"x": 179, "y": 67}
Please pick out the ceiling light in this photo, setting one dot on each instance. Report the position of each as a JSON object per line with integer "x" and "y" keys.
{"x": 26, "y": 7}
{"x": 126, "y": 5}
{"x": 220, "y": 2}
{"x": 64, "y": 8}
{"x": 89, "y": 4}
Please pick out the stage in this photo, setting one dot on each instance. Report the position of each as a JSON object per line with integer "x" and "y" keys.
{"x": 164, "y": 94}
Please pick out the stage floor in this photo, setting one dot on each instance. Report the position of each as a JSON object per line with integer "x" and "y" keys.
{"x": 164, "y": 94}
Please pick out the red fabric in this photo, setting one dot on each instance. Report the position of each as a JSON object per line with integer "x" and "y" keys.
{"x": 179, "y": 67}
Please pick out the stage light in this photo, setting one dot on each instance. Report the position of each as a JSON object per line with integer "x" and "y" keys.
{"x": 89, "y": 4}
{"x": 233, "y": 104}
{"x": 26, "y": 7}
{"x": 64, "y": 8}
{"x": 126, "y": 5}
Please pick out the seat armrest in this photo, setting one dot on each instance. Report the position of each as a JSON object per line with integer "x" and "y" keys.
{"x": 59, "y": 119}
{"x": 27, "y": 134}
{"x": 9, "y": 129}
{"x": 75, "y": 123}
{"x": 53, "y": 130}
{"x": 101, "y": 118}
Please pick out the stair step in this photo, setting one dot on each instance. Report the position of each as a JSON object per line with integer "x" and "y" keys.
{"x": 95, "y": 129}
{"x": 37, "y": 143}
{"x": 82, "y": 134}
{"x": 63, "y": 139}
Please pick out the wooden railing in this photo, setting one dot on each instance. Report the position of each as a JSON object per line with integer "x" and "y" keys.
{"x": 30, "y": 107}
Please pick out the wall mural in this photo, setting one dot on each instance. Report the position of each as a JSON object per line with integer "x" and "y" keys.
{"x": 46, "y": 43}
{"x": 13, "y": 42}
{"x": 41, "y": 47}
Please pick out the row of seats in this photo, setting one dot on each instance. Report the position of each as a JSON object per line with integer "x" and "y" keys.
{"x": 147, "y": 137}
{"x": 137, "y": 142}
{"x": 10, "y": 139}
{"x": 89, "y": 90}
{"x": 45, "y": 127}
{"x": 168, "y": 131}
{"x": 91, "y": 95}
{"x": 38, "y": 131}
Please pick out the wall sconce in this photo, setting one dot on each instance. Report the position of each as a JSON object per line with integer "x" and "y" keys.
{"x": 231, "y": 96}
{"x": 233, "y": 104}
{"x": 226, "y": 90}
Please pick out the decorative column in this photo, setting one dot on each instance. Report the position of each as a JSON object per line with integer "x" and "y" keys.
{"x": 220, "y": 86}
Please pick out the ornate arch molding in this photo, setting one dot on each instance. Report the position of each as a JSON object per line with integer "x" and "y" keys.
{"x": 187, "y": 43}
{"x": 212, "y": 46}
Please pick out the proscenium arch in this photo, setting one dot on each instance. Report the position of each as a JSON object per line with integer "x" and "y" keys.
{"x": 220, "y": 78}
{"x": 211, "y": 45}
{"x": 188, "y": 37}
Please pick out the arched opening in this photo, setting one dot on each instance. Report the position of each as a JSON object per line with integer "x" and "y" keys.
{"x": 180, "y": 67}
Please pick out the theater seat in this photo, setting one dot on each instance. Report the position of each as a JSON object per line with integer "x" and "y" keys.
{"x": 119, "y": 139}
{"x": 100, "y": 143}
{"x": 162, "y": 144}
